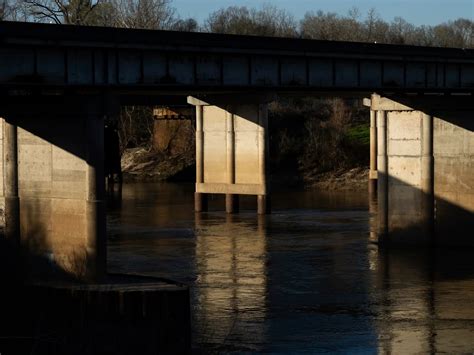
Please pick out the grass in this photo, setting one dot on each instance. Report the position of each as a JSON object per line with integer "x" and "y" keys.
{"x": 359, "y": 135}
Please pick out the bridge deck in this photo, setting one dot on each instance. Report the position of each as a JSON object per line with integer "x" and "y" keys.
{"x": 33, "y": 55}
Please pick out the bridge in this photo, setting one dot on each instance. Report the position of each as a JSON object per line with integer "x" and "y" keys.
{"x": 58, "y": 83}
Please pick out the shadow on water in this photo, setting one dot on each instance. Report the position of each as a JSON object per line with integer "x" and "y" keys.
{"x": 305, "y": 279}
{"x": 44, "y": 309}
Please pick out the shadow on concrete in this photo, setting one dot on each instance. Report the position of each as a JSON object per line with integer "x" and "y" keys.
{"x": 450, "y": 226}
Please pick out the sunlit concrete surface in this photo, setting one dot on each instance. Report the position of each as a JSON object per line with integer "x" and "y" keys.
{"x": 232, "y": 148}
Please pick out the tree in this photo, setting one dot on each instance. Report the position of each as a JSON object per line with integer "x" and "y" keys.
{"x": 459, "y": 33}
{"x": 375, "y": 28}
{"x": 401, "y": 32}
{"x": 144, "y": 14}
{"x": 187, "y": 25}
{"x": 11, "y": 10}
{"x": 330, "y": 26}
{"x": 69, "y": 12}
{"x": 267, "y": 21}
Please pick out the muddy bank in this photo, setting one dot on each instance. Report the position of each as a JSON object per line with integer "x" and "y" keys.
{"x": 142, "y": 164}
{"x": 146, "y": 164}
{"x": 343, "y": 179}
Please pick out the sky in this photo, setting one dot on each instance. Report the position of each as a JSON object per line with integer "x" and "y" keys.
{"x": 418, "y": 12}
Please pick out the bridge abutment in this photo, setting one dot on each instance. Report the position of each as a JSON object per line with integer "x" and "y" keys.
{"x": 231, "y": 150}
{"x": 425, "y": 154}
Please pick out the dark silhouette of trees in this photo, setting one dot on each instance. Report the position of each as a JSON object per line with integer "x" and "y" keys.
{"x": 266, "y": 21}
{"x": 331, "y": 26}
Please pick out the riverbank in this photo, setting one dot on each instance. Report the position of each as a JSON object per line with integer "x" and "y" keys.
{"x": 146, "y": 165}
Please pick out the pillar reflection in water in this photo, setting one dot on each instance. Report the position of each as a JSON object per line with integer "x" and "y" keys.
{"x": 231, "y": 285}
{"x": 424, "y": 300}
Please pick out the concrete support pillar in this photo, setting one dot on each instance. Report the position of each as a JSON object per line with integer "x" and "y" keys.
{"x": 95, "y": 205}
{"x": 231, "y": 200}
{"x": 425, "y": 196}
{"x": 382, "y": 174}
{"x": 427, "y": 174}
{"x": 373, "y": 154}
{"x": 231, "y": 149}
{"x": 263, "y": 202}
{"x": 12, "y": 204}
{"x": 200, "y": 199}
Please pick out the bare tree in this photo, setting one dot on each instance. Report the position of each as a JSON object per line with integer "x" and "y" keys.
{"x": 186, "y": 25}
{"x": 266, "y": 21}
{"x": 12, "y": 10}
{"x": 69, "y": 12}
{"x": 144, "y": 14}
{"x": 330, "y": 26}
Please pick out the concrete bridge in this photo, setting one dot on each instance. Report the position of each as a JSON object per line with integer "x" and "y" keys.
{"x": 58, "y": 83}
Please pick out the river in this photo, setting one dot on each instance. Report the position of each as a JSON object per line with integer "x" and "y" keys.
{"x": 305, "y": 279}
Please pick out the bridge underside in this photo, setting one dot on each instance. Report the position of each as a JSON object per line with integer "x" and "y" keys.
{"x": 57, "y": 83}
{"x": 53, "y": 184}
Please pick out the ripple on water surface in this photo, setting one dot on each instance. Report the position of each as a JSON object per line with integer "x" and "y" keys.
{"x": 304, "y": 279}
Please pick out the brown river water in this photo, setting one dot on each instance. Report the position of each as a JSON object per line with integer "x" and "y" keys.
{"x": 305, "y": 279}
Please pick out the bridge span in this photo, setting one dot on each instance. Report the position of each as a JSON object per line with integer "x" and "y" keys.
{"x": 59, "y": 83}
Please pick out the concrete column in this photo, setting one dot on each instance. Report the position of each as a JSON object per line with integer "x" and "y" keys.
{"x": 263, "y": 201}
{"x": 12, "y": 205}
{"x": 95, "y": 204}
{"x": 232, "y": 147}
{"x": 200, "y": 199}
{"x": 373, "y": 154}
{"x": 382, "y": 174}
{"x": 427, "y": 174}
{"x": 231, "y": 200}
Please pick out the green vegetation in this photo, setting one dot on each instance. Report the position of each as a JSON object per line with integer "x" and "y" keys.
{"x": 359, "y": 135}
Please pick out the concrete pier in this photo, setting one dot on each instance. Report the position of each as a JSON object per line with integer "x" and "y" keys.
{"x": 425, "y": 154}
{"x": 54, "y": 184}
{"x": 373, "y": 153}
{"x": 382, "y": 174}
{"x": 232, "y": 149}
{"x": 10, "y": 188}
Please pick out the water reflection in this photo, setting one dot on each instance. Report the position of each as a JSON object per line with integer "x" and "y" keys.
{"x": 305, "y": 279}
{"x": 426, "y": 301}
{"x": 231, "y": 287}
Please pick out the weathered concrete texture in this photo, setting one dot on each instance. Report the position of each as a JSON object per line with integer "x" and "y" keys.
{"x": 245, "y": 145}
{"x": 454, "y": 177}
{"x": 430, "y": 174}
{"x": 52, "y": 189}
{"x": 60, "y": 188}
{"x": 231, "y": 148}
{"x": 406, "y": 224}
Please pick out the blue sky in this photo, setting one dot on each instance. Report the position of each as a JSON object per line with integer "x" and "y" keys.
{"x": 419, "y": 12}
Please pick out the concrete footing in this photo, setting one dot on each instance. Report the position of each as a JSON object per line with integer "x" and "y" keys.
{"x": 125, "y": 314}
